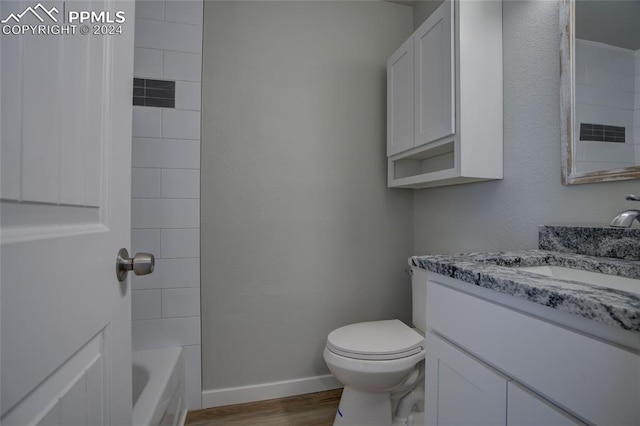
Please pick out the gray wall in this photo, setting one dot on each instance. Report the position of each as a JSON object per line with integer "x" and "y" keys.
{"x": 422, "y": 9}
{"x": 299, "y": 233}
{"x": 504, "y": 215}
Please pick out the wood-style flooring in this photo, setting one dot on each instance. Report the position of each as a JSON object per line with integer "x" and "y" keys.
{"x": 313, "y": 409}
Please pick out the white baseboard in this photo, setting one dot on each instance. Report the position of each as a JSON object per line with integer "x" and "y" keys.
{"x": 264, "y": 391}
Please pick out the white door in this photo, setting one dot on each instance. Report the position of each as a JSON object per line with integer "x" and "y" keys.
{"x": 65, "y": 125}
{"x": 459, "y": 390}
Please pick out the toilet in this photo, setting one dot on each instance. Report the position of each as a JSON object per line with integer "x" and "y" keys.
{"x": 380, "y": 365}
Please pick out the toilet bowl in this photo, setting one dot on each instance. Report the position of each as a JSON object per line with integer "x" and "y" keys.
{"x": 379, "y": 364}
{"x": 372, "y": 360}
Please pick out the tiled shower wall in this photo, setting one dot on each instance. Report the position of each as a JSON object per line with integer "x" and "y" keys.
{"x": 604, "y": 96}
{"x": 166, "y": 183}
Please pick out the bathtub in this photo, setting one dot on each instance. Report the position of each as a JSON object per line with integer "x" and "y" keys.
{"x": 158, "y": 387}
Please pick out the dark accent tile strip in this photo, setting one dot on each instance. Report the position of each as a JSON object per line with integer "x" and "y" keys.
{"x": 162, "y": 103}
{"x": 154, "y": 93}
{"x": 602, "y": 133}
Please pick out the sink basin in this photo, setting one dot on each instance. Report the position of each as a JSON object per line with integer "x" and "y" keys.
{"x": 594, "y": 278}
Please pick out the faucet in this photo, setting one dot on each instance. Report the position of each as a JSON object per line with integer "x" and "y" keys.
{"x": 625, "y": 219}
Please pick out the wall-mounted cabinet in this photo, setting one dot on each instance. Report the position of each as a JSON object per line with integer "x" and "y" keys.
{"x": 444, "y": 99}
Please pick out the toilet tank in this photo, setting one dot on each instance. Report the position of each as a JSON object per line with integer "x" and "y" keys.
{"x": 419, "y": 298}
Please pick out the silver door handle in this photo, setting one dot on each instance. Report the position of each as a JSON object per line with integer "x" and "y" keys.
{"x": 140, "y": 264}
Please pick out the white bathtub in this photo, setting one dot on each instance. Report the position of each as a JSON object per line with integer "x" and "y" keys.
{"x": 158, "y": 387}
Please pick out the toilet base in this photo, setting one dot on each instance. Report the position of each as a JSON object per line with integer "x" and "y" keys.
{"x": 359, "y": 408}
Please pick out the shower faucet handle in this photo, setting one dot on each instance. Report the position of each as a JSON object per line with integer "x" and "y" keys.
{"x": 632, "y": 197}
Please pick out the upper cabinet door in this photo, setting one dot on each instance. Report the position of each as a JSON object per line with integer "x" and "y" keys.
{"x": 434, "y": 109}
{"x": 400, "y": 99}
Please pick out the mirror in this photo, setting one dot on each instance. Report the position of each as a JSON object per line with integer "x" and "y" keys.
{"x": 600, "y": 90}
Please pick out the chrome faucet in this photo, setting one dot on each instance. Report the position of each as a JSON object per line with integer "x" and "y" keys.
{"x": 625, "y": 219}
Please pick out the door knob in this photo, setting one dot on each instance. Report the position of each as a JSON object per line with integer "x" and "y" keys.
{"x": 140, "y": 264}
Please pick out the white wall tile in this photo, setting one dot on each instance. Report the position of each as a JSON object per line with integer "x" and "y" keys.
{"x": 178, "y": 243}
{"x": 166, "y": 153}
{"x": 145, "y": 240}
{"x": 184, "y": 11}
{"x": 165, "y": 213}
{"x": 145, "y": 183}
{"x": 193, "y": 376}
{"x": 168, "y": 46}
{"x": 182, "y": 66}
{"x": 177, "y": 124}
{"x": 593, "y": 95}
{"x": 147, "y": 63}
{"x": 146, "y": 304}
{"x": 168, "y": 36}
{"x": 180, "y": 183}
{"x": 188, "y": 95}
{"x": 165, "y": 332}
{"x": 149, "y": 9}
{"x": 147, "y": 122}
{"x": 597, "y": 114}
{"x": 181, "y": 302}
{"x": 170, "y": 273}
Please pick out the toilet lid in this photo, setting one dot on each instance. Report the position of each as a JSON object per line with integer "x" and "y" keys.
{"x": 375, "y": 340}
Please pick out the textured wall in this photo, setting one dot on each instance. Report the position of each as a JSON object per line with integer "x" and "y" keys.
{"x": 299, "y": 233}
{"x": 504, "y": 215}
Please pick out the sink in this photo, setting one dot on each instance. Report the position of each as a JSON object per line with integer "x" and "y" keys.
{"x": 594, "y": 278}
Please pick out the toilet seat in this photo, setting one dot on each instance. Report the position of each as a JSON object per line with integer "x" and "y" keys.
{"x": 375, "y": 340}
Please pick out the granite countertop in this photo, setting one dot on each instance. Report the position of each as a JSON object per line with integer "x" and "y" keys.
{"x": 496, "y": 271}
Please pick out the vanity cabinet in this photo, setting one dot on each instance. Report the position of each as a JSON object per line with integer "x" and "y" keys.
{"x": 525, "y": 408}
{"x": 461, "y": 390}
{"x": 469, "y": 392}
{"x": 512, "y": 364}
{"x": 444, "y": 99}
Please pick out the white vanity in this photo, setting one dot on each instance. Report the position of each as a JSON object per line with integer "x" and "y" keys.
{"x": 506, "y": 346}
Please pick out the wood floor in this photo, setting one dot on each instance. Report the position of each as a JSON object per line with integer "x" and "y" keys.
{"x": 313, "y": 409}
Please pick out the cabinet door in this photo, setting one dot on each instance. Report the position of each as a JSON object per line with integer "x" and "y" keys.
{"x": 400, "y": 99}
{"x": 460, "y": 390}
{"x": 524, "y": 408}
{"x": 434, "y": 98}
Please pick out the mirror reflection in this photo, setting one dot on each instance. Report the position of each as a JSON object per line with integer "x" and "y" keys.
{"x": 607, "y": 85}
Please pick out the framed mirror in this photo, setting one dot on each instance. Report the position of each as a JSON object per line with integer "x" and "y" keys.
{"x": 600, "y": 90}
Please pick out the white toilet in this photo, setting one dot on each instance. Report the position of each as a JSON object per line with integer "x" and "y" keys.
{"x": 379, "y": 363}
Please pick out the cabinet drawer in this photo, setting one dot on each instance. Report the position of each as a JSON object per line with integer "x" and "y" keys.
{"x": 594, "y": 380}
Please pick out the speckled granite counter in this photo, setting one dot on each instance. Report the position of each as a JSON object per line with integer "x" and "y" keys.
{"x": 621, "y": 243}
{"x": 496, "y": 271}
